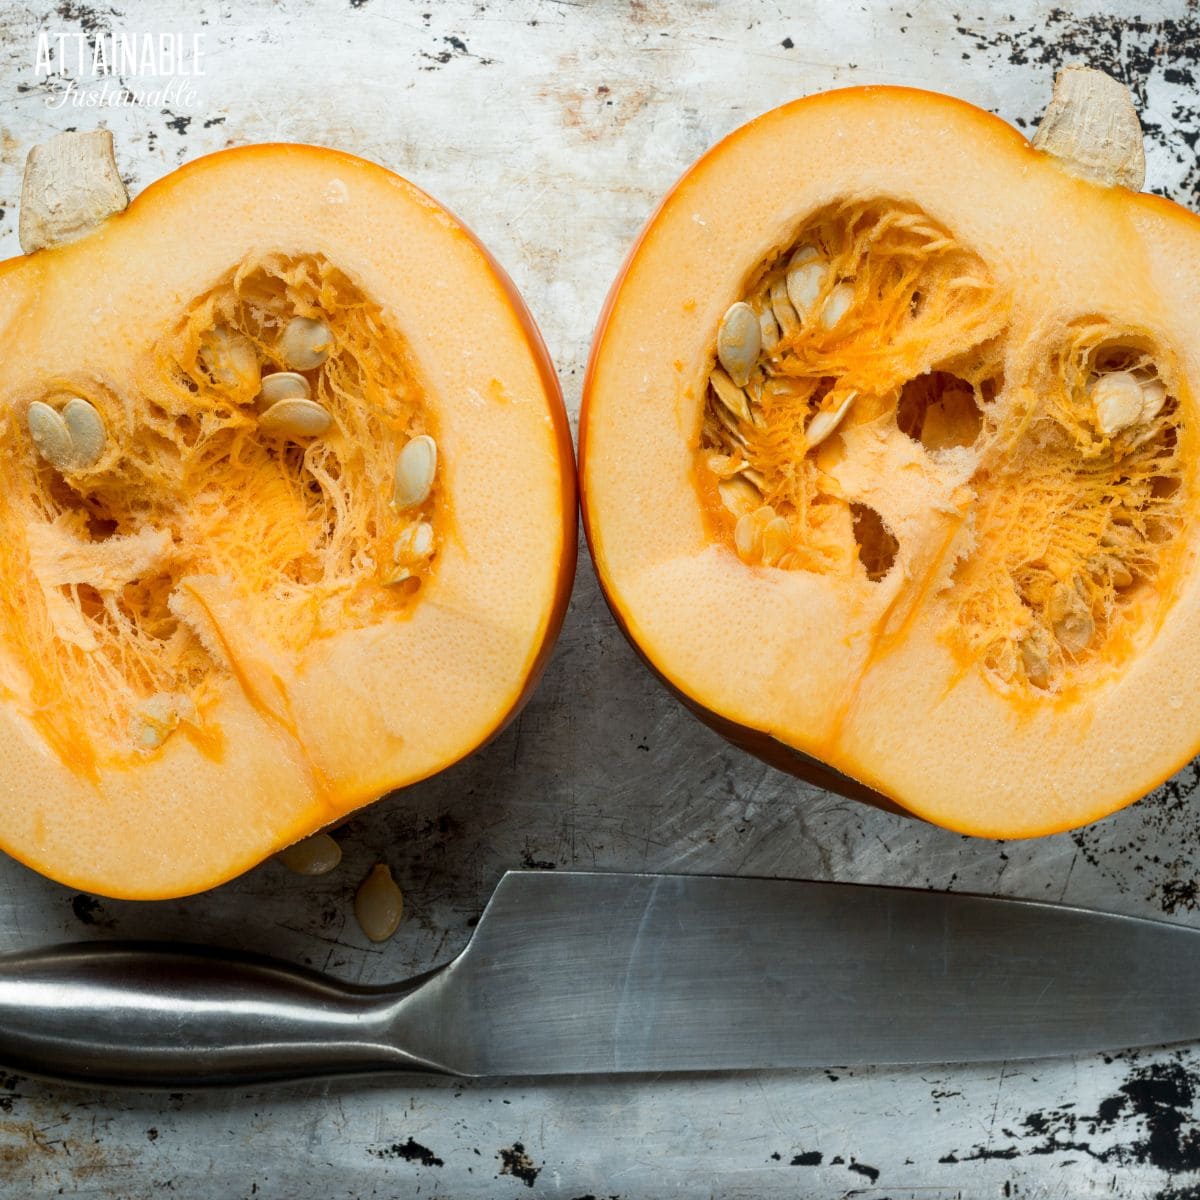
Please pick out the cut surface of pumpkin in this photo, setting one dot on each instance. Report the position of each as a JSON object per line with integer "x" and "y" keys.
{"x": 288, "y": 517}
{"x": 909, "y": 406}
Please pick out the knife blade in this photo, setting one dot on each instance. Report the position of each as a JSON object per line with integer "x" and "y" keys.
{"x": 596, "y": 973}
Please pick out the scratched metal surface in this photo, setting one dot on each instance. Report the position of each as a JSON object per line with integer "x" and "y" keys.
{"x": 552, "y": 127}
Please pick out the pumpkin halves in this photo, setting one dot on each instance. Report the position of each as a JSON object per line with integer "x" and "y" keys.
{"x": 288, "y": 517}
{"x": 888, "y": 454}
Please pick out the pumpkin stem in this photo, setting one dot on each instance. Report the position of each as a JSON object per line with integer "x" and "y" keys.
{"x": 1091, "y": 127}
{"x": 71, "y": 186}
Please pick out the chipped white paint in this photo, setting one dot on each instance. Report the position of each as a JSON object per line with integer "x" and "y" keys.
{"x": 552, "y": 128}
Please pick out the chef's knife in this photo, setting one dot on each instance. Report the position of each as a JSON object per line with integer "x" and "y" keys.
{"x": 584, "y": 973}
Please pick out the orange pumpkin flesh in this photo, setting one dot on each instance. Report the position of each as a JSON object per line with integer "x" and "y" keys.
{"x": 207, "y": 648}
{"x": 976, "y": 601}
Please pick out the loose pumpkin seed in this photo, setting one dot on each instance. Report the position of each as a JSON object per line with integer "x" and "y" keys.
{"x": 305, "y": 344}
{"x": 827, "y": 420}
{"x": 50, "y": 435}
{"x": 739, "y": 340}
{"x": 88, "y": 435}
{"x": 379, "y": 904}
{"x": 730, "y": 395}
{"x": 316, "y": 855}
{"x": 282, "y": 385}
{"x": 230, "y": 359}
{"x": 416, "y": 466}
{"x": 295, "y": 419}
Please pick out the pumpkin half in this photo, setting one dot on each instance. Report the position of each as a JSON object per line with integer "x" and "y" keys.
{"x": 288, "y": 517}
{"x": 888, "y": 454}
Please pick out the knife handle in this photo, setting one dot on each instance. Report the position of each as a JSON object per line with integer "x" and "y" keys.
{"x": 150, "y": 1015}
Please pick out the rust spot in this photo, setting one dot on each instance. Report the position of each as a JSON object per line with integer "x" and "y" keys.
{"x": 23, "y": 1142}
{"x": 596, "y": 111}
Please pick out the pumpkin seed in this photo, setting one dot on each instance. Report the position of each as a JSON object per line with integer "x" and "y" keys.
{"x": 416, "y": 466}
{"x": 379, "y": 904}
{"x": 230, "y": 359}
{"x": 776, "y": 539}
{"x": 316, "y": 855}
{"x": 838, "y": 304}
{"x": 88, "y": 436}
{"x": 305, "y": 344}
{"x": 748, "y": 533}
{"x": 414, "y": 544}
{"x": 731, "y": 427}
{"x": 1108, "y": 565}
{"x": 739, "y": 340}
{"x": 1035, "y": 657}
{"x": 782, "y": 310}
{"x": 1154, "y": 396}
{"x": 725, "y": 466}
{"x": 805, "y": 278}
{"x": 738, "y": 496}
{"x": 404, "y": 581}
{"x": 745, "y": 537}
{"x": 768, "y": 329}
{"x": 1117, "y": 399}
{"x": 730, "y": 395}
{"x": 827, "y": 420}
{"x": 50, "y": 435}
{"x": 159, "y": 717}
{"x": 1070, "y": 619}
{"x": 282, "y": 385}
{"x": 295, "y": 419}
{"x": 754, "y": 393}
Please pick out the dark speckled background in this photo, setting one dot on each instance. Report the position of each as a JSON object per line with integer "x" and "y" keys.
{"x": 552, "y": 127}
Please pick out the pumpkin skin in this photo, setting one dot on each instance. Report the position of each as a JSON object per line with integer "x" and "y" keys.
{"x": 312, "y": 686}
{"x": 874, "y": 686}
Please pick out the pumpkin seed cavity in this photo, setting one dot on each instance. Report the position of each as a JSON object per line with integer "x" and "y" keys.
{"x": 875, "y": 321}
{"x": 1079, "y": 513}
{"x": 276, "y": 437}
